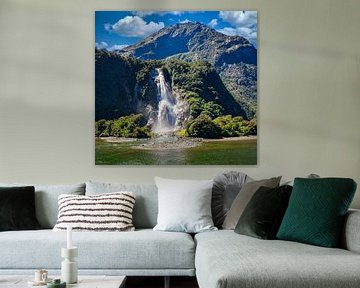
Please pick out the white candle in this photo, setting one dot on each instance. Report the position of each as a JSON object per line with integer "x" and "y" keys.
{"x": 69, "y": 237}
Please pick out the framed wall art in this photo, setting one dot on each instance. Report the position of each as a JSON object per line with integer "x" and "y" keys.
{"x": 175, "y": 87}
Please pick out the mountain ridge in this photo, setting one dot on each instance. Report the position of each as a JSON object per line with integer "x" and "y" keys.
{"x": 196, "y": 41}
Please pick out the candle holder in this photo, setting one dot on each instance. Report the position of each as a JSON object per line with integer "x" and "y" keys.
{"x": 69, "y": 271}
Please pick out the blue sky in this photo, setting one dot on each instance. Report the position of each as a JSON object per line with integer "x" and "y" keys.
{"x": 116, "y": 29}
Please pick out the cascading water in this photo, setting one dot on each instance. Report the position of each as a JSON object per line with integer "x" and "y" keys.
{"x": 166, "y": 120}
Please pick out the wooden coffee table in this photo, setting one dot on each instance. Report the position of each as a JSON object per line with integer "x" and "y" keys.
{"x": 83, "y": 282}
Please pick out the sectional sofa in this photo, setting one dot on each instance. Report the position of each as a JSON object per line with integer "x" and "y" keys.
{"x": 219, "y": 259}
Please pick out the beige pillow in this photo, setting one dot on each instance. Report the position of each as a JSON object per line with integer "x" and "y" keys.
{"x": 104, "y": 212}
{"x": 243, "y": 198}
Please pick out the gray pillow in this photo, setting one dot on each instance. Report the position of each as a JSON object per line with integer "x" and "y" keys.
{"x": 146, "y": 206}
{"x": 46, "y": 200}
{"x": 310, "y": 176}
{"x": 226, "y": 187}
{"x": 243, "y": 198}
{"x": 184, "y": 205}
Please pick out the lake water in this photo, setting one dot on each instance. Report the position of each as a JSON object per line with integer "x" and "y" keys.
{"x": 233, "y": 152}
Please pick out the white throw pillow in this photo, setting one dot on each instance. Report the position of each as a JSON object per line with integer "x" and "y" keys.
{"x": 184, "y": 205}
{"x": 105, "y": 212}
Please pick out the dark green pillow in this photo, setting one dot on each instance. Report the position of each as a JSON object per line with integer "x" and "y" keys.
{"x": 316, "y": 211}
{"x": 17, "y": 208}
{"x": 264, "y": 212}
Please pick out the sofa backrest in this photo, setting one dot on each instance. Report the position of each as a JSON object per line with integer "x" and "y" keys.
{"x": 146, "y": 203}
{"x": 46, "y": 200}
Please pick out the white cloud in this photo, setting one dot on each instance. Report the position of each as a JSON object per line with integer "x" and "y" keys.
{"x": 117, "y": 47}
{"x": 134, "y": 26}
{"x": 186, "y": 21}
{"x": 104, "y": 45}
{"x": 243, "y": 23}
{"x": 245, "y": 32}
{"x": 213, "y": 23}
{"x": 228, "y": 31}
{"x": 101, "y": 45}
{"x": 236, "y": 18}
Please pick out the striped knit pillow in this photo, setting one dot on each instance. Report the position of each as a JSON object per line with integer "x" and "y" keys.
{"x": 105, "y": 212}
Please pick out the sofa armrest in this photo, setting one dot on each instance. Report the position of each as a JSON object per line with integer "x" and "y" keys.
{"x": 351, "y": 234}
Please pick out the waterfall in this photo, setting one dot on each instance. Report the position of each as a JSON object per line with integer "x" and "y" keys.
{"x": 166, "y": 120}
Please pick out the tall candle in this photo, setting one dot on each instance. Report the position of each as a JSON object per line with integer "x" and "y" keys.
{"x": 69, "y": 237}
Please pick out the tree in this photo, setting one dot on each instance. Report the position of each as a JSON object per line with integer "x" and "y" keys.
{"x": 203, "y": 127}
{"x": 100, "y": 127}
{"x": 211, "y": 109}
{"x": 103, "y": 128}
{"x": 132, "y": 126}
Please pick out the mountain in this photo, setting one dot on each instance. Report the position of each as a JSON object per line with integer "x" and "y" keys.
{"x": 234, "y": 57}
{"x": 194, "y": 41}
{"x": 205, "y": 71}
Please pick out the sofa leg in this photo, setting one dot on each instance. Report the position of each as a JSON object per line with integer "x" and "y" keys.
{"x": 167, "y": 282}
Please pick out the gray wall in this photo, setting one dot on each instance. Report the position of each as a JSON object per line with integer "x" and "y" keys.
{"x": 309, "y": 90}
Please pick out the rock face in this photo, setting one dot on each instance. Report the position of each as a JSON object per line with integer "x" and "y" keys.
{"x": 204, "y": 68}
{"x": 115, "y": 81}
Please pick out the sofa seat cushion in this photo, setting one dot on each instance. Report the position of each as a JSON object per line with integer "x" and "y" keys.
{"x": 142, "y": 249}
{"x": 226, "y": 259}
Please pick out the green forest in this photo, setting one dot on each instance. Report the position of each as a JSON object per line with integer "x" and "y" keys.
{"x": 134, "y": 126}
{"x": 213, "y": 111}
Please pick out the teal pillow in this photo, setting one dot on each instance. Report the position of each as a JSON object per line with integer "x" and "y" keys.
{"x": 316, "y": 211}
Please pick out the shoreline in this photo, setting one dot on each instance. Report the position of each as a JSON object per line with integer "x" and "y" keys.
{"x": 238, "y": 138}
{"x": 173, "y": 142}
{"x": 113, "y": 139}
